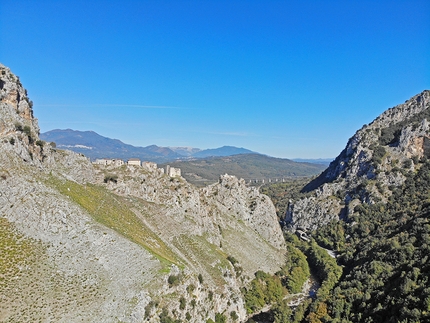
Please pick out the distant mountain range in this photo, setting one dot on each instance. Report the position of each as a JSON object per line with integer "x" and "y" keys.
{"x": 95, "y": 146}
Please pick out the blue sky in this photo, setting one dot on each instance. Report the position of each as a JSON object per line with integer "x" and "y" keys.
{"x": 285, "y": 78}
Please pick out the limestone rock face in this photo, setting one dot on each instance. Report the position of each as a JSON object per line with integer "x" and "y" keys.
{"x": 375, "y": 156}
{"x": 17, "y": 124}
{"x": 229, "y": 196}
{"x": 15, "y": 104}
{"x": 415, "y": 141}
{"x": 211, "y": 211}
{"x": 248, "y": 205}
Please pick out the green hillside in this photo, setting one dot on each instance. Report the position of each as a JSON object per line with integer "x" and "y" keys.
{"x": 250, "y": 167}
{"x": 384, "y": 251}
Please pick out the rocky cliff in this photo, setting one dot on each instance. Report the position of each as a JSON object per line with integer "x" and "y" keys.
{"x": 374, "y": 159}
{"x": 108, "y": 244}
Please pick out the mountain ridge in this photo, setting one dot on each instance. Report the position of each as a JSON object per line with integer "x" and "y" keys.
{"x": 96, "y": 146}
{"x": 377, "y": 153}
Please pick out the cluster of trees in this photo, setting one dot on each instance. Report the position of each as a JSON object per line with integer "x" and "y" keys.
{"x": 296, "y": 270}
{"x": 264, "y": 289}
{"x": 382, "y": 272}
{"x": 378, "y": 153}
{"x": 326, "y": 271}
{"x": 384, "y": 250}
{"x": 273, "y": 290}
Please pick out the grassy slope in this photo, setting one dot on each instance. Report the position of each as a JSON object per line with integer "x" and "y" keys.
{"x": 115, "y": 212}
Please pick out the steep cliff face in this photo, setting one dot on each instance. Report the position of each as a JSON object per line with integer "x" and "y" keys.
{"x": 75, "y": 248}
{"x": 228, "y": 214}
{"x": 374, "y": 158}
{"x": 16, "y": 106}
{"x": 17, "y": 124}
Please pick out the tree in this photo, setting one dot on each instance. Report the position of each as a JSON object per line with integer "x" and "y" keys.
{"x": 281, "y": 312}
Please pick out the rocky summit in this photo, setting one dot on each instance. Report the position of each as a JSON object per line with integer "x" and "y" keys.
{"x": 374, "y": 160}
{"x": 93, "y": 243}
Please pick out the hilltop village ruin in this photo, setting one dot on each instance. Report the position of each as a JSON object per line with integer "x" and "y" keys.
{"x": 170, "y": 171}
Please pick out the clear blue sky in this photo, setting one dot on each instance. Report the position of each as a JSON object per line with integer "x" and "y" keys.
{"x": 285, "y": 78}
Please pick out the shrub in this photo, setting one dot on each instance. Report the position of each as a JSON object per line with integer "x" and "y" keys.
{"x": 378, "y": 153}
{"x": 182, "y": 303}
{"x": 234, "y": 315}
{"x": 173, "y": 280}
{"x": 191, "y": 288}
{"x": 18, "y": 127}
{"x": 165, "y": 318}
{"x": 40, "y": 143}
{"x": 149, "y": 307}
{"x": 111, "y": 178}
{"x": 232, "y": 260}
{"x": 27, "y": 130}
{"x": 407, "y": 163}
{"x": 12, "y": 141}
{"x": 200, "y": 279}
{"x": 220, "y": 318}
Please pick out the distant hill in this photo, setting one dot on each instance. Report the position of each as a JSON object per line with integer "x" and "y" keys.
{"x": 185, "y": 151}
{"x": 222, "y": 151}
{"x": 95, "y": 146}
{"x": 322, "y": 161}
{"x": 247, "y": 166}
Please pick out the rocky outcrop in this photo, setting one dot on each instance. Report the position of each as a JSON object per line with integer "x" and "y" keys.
{"x": 17, "y": 124}
{"x": 246, "y": 204}
{"x": 211, "y": 211}
{"x": 374, "y": 158}
{"x": 15, "y": 105}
